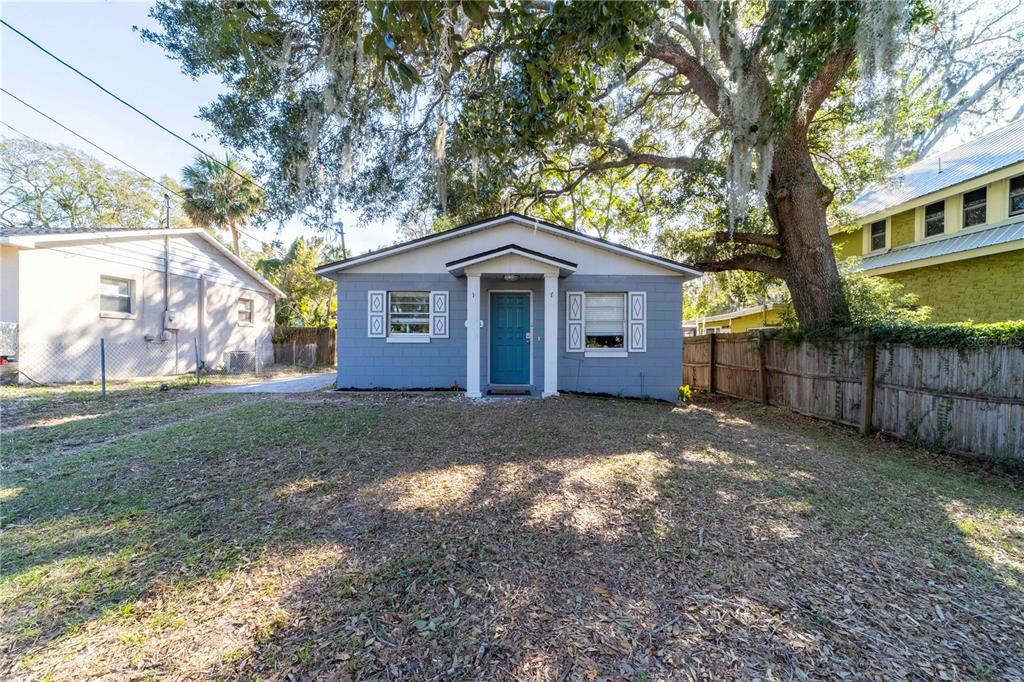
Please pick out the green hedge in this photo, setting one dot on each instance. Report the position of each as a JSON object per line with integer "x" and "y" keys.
{"x": 960, "y": 335}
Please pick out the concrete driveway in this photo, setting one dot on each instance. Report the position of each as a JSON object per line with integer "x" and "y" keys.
{"x": 303, "y": 384}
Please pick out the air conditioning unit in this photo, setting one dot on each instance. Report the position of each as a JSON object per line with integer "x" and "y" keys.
{"x": 172, "y": 319}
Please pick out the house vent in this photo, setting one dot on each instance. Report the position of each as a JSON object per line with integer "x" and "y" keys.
{"x": 240, "y": 361}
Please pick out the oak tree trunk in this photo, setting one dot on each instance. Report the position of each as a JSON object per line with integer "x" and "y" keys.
{"x": 797, "y": 200}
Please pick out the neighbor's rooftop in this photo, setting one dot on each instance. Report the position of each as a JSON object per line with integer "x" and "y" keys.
{"x": 986, "y": 154}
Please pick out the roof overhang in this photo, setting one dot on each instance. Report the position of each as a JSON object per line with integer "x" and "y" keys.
{"x": 532, "y": 223}
{"x": 499, "y": 256}
{"x": 34, "y": 241}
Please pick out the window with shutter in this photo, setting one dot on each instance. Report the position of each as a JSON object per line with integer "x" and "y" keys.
{"x": 638, "y": 321}
{"x": 375, "y": 314}
{"x": 605, "y": 321}
{"x": 439, "y": 314}
{"x": 574, "y": 321}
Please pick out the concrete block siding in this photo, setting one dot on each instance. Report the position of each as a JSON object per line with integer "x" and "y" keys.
{"x": 365, "y": 362}
{"x": 654, "y": 374}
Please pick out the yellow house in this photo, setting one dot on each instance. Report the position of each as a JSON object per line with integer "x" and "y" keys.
{"x": 950, "y": 228}
{"x": 736, "y": 321}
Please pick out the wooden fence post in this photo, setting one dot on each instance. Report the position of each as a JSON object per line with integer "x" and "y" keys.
{"x": 762, "y": 365}
{"x": 711, "y": 362}
{"x": 867, "y": 403}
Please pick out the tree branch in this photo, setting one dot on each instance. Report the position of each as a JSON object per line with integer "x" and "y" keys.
{"x": 821, "y": 86}
{"x": 665, "y": 49}
{"x": 752, "y": 262}
{"x": 751, "y": 238}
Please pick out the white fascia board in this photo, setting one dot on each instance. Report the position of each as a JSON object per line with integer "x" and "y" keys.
{"x": 526, "y": 222}
{"x": 517, "y": 252}
{"x": 35, "y": 241}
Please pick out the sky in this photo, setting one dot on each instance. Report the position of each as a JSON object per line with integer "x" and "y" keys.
{"x": 97, "y": 38}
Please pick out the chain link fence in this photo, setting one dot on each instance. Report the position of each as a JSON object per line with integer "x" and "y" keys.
{"x": 90, "y": 360}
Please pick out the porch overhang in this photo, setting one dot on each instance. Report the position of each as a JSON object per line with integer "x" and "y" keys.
{"x": 510, "y": 259}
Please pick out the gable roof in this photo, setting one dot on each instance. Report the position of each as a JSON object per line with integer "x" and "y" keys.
{"x": 521, "y": 219}
{"x": 934, "y": 247}
{"x": 986, "y": 154}
{"x": 28, "y": 238}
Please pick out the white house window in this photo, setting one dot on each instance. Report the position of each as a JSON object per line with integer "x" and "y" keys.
{"x": 878, "y": 235}
{"x": 935, "y": 219}
{"x": 605, "y": 321}
{"x": 245, "y": 312}
{"x": 1017, "y": 195}
{"x": 408, "y": 312}
{"x": 116, "y": 295}
{"x": 974, "y": 206}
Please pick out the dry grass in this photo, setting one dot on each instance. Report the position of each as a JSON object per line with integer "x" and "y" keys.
{"x": 427, "y": 537}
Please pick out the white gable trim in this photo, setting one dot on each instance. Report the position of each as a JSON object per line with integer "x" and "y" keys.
{"x": 457, "y": 232}
{"x": 48, "y": 239}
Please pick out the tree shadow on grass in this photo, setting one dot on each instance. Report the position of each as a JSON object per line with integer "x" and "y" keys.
{"x": 567, "y": 538}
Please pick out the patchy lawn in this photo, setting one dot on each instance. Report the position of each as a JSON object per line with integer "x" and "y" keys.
{"x": 428, "y": 537}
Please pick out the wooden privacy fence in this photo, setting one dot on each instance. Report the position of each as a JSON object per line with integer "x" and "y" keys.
{"x": 307, "y": 346}
{"x": 964, "y": 401}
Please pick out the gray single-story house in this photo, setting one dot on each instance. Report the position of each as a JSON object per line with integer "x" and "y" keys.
{"x": 511, "y": 304}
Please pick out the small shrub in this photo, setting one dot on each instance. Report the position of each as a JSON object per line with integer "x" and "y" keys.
{"x": 685, "y": 393}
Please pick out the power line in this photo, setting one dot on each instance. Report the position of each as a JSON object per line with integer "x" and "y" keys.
{"x": 140, "y": 112}
{"x": 87, "y": 141}
{"x": 110, "y": 154}
{"x": 131, "y": 106}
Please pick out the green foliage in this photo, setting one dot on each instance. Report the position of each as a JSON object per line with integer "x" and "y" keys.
{"x": 309, "y": 299}
{"x": 220, "y": 194}
{"x": 874, "y": 300}
{"x": 959, "y": 335}
{"x": 685, "y": 393}
{"x": 54, "y": 186}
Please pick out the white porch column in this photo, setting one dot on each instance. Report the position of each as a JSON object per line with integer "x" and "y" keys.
{"x": 550, "y": 335}
{"x": 473, "y": 336}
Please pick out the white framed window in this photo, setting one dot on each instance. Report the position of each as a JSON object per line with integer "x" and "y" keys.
{"x": 245, "y": 312}
{"x": 409, "y": 314}
{"x": 604, "y": 322}
{"x": 1017, "y": 195}
{"x": 935, "y": 219}
{"x": 877, "y": 235}
{"x": 117, "y": 297}
{"x": 975, "y": 206}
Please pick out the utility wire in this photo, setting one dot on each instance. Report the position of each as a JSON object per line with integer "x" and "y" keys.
{"x": 131, "y": 106}
{"x": 110, "y": 154}
{"x": 86, "y": 140}
{"x": 141, "y": 113}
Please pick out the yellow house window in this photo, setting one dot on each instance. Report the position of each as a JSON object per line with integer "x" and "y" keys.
{"x": 878, "y": 235}
{"x": 935, "y": 219}
{"x": 975, "y": 206}
{"x": 1017, "y": 195}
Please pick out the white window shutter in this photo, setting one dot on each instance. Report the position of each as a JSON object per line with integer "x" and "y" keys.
{"x": 637, "y": 322}
{"x": 439, "y": 314}
{"x": 376, "y": 315}
{"x": 574, "y": 321}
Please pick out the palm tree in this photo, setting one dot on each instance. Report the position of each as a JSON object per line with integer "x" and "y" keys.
{"x": 220, "y": 194}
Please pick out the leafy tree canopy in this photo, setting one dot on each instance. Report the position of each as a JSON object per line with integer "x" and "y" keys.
{"x": 309, "y": 299}
{"x": 54, "y": 186}
{"x": 743, "y": 119}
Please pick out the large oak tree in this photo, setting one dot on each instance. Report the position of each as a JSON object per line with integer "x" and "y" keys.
{"x": 456, "y": 109}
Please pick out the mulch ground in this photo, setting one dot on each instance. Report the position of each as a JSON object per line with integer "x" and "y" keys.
{"x": 385, "y": 536}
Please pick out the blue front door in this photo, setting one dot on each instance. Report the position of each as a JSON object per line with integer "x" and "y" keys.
{"x": 510, "y": 338}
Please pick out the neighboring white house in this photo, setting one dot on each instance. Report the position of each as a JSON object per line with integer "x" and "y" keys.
{"x": 158, "y": 298}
